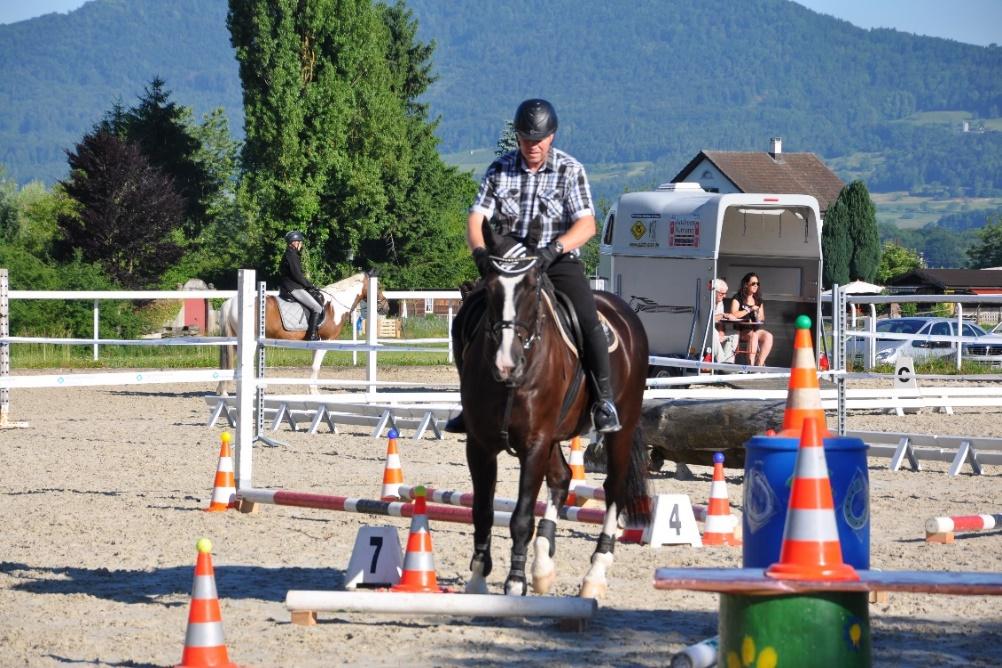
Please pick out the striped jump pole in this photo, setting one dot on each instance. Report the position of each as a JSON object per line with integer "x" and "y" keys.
{"x": 281, "y": 497}
{"x": 505, "y": 506}
{"x": 942, "y": 529}
{"x": 585, "y": 515}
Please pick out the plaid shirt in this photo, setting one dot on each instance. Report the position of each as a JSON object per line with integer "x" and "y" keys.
{"x": 512, "y": 196}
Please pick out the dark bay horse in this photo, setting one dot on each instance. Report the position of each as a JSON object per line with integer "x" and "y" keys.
{"x": 340, "y": 299}
{"x": 523, "y": 391}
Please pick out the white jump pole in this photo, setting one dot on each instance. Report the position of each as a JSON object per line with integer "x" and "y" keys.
{"x": 244, "y": 376}
{"x": 461, "y": 605}
{"x": 372, "y": 336}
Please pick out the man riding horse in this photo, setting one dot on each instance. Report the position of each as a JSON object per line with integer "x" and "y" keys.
{"x": 541, "y": 184}
{"x": 293, "y": 282}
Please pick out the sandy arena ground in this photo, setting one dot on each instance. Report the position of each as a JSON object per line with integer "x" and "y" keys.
{"x": 102, "y": 500}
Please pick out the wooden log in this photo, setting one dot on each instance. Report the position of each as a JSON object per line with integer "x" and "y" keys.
{"x": 689, "y": 431}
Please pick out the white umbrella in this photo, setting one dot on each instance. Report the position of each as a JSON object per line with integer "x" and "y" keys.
{"x": 858, "y": 288}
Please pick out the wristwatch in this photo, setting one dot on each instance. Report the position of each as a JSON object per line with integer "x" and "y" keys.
{"x": 559, "y": 247}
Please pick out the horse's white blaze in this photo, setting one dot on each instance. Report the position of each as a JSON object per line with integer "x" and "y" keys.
{"x": 503, "y": 359}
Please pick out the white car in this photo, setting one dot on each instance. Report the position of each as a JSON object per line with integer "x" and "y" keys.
{"x": 918, "y": 343}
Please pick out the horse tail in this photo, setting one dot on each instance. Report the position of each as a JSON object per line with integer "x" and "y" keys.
{"x": 637, "y": 490}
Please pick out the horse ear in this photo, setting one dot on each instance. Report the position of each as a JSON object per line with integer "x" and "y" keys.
{"x": 535, "y": 232}
{"x": 491, "y": 238}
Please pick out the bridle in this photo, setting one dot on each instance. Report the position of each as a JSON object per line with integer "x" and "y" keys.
{"x": 526, "y": 333}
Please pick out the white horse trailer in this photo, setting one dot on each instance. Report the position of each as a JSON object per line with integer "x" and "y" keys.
{"x": 661, "y": 250}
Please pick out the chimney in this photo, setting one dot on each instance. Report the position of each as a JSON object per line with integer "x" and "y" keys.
{"x": 775, "y": 147}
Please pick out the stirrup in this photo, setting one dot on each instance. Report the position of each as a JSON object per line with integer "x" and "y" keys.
{"x": 605, "y": 417}
{"x": 457, "y": 424}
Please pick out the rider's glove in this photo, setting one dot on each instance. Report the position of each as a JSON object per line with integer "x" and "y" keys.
{"x": 482, "y": 259}
{"x": 548, "y": 254}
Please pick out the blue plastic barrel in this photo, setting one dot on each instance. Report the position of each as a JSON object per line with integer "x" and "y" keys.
{"x": 769, "y": 464}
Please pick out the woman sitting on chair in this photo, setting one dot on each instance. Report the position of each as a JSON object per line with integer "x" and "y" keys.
{"x": 747, "y": 306}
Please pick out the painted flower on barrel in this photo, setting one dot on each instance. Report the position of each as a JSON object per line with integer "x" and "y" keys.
{"x": 750, "y": 658}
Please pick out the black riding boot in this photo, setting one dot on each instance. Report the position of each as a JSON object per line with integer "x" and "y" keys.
{"x": 311, "y": 326}
{"x": 604, "y": 413}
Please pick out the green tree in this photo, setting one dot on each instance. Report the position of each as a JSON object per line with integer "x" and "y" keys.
{"x": 862, "y": 228}
{"x": 836, "y": 245}
{"x": 507, "y": 141}
{"x": 163, "y": 131}
{"x": 987, "y": 250}
{"x": 324, "y": 132}
{"x": 337, "y": 143}
{"x": 127, "y": 212}
{"x": 896, "y": 260}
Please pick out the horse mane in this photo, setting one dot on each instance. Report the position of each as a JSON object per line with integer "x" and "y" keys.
{"x": 344, "y": 283}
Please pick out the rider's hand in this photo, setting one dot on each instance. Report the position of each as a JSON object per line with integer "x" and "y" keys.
{"x": 482, "y": 259}
{"x": 548, "y": 254}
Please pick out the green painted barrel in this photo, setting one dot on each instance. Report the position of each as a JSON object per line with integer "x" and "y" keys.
{"x": 817, "y": 629}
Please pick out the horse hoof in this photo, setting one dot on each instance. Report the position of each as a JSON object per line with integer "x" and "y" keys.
{"x": 514, "y": 588}
{"x": 541, "y": 584}
{"x": 476, "y": 586}
{"x": 593, "y": 589}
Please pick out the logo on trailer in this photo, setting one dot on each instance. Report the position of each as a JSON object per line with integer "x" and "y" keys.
{"x": 638, "y": 230}
{"x": 683, "y": 233}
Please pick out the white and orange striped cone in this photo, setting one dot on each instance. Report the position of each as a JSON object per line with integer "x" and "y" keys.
{"x": 224, "y": 488}
{"x": 393, "y": 475}
{"x": 577, "y": 472}
{"x": 419, "y": 561}
{"x": 803, "y": 397}
{"x": 719, "y": 527}
{"x": 811, "y": 549}
{"x": 203, "y": 639}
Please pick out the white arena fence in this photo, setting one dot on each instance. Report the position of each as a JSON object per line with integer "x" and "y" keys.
{"x": 424, "y": 410}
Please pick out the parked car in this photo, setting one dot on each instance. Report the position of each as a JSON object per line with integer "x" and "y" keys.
{"x": 977, "y": 344}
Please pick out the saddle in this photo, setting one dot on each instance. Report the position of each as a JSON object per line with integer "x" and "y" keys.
{"x": 294, "y": 315}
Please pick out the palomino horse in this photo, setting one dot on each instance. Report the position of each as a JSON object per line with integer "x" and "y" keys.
{"x": 523, "y": 390}
{"x": 341, "y": 299}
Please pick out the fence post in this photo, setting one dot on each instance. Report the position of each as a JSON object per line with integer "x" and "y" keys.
{"x": 97, "y": 327}
{"x": 372, "y": 336}
{"x": 838, "y": 314}
{"x": 960, "y": 332}
{"x": 4, "y": 349}
{"x": 448, "y": 334}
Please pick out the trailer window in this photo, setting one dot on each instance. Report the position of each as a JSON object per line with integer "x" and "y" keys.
{"x": 610, "y": 222}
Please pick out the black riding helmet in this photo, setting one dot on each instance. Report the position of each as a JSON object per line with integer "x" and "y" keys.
{"x": 294, "y": 235}
{"x": 535, "y": 119}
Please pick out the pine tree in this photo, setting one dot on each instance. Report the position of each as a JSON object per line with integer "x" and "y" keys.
{"x": 862, "y": 231}
{"x": 836, "y": 246}
{"x": 987, "y": 250}
{"x": 161, "y": 128}
{"x": 508, "y": 141}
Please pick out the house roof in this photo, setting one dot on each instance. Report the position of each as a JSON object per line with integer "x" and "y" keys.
{"x": 759, "y": 172}
{"x": 972, "y": 280}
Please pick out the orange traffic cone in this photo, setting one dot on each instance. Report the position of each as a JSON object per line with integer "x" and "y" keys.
{"x": 577, "y": 472}
{"x": 224, "y": 489}
{"x": 419, "y": 561}
{"x": 203, "y": 639}
{"x": 803, "y": 398}
{"x": 393, "y": 475}
{"x": 811, "y": 548}
{"x": 719, "y": 528}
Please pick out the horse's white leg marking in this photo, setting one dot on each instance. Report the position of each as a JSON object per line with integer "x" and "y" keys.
{"x": 543, "y": 570}
{"x": 502, "y": 359}
{"x": 595, "y": 583}
{"x": 477, "y": 583}
{"x": 318, "y": 359}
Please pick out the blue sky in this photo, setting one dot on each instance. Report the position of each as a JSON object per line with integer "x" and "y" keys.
{"x": 972, "y": 21}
